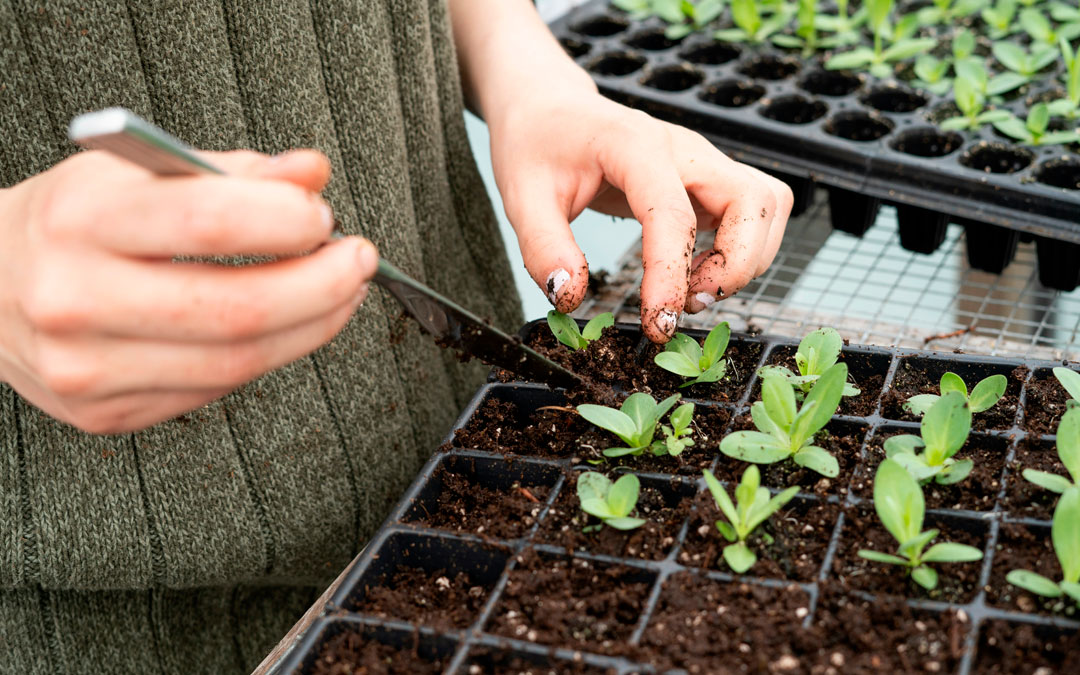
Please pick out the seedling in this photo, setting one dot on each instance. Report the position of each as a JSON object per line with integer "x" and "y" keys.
{"x": 610, "y": 502}
{"x": 636, "y": 9}
{"x": 753, "y": 508}
{"x": 947, "y": 11}
{"x": 634, "y": 423}
{"x": 984, "y": 396}
{"x": 972, "y": 71}
{"x": 751, "y": 27}
{"x": 817, "y": 352}
{"x": 806, "y": 34}
{"x": 999, "y": 19}
{"x": 787, "y": 431}
{"x": 566, "y": 330}
{"x": 1035, "y": 24}
{"x": 1070, "y": 381}
{"x": 1069, "y": 106}
{"x": 1024, "y": 63}
{"x": 878, "y": 58}
{"x": 900, "y": 507}
{"x": 1068, "y": 449}
{"x": 945, "y": 429}
{"x": 676, "y": 435}
{"x": 686, "y": 17}
{"x": 1033, "y": 131}
{"x": 844, "y": 27}
{"x": 931, "y": 72}
{"x": 683, "y": 356}
{"x": 1065, "y": 533}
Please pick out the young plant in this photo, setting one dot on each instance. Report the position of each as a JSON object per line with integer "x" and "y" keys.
{"x": 636, "y": 9}
{"x": 1035, "y": 24}
{"x": 1024, "y": 63}
{"x": 1065, "y": 533}
{"x": 785, "y": 430}
{"x": 1068, "y": 107}
{"x": 1033, "y": 131}
{"x": 683, "y": 356}
{"x": 999, "y": 19}
{"x": 902, "y": 45}
{"x": 947, "y": 11}
{"x": 806, "y": 32}
{"x": 565, "y": 329}
{"x": 972, "y": 71}
{"x": 751, "y": 27}
{"x": 900, "y": 507}
{"x": 610, "y": 502}
{"x": 944, "y": 430}
{"x": 677, "y": 434}
{"x": 931, "y": 74}
{"x": 634, "y": 422}
{"x": 984, "y": 396}
{"x": 1070, "y": 381}
{"x": 686, "y": 17}
{"x": 817, "y": 352}
{"x": 1068, "y": 449}
{"x": 752, "y": 508}
{"x": 844, "y": 27}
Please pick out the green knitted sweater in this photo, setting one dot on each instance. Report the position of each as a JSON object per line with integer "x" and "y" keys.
{"x": 194, "y": 545}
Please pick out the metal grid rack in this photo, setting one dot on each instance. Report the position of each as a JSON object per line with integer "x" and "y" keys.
{"x": 875, "y": 292}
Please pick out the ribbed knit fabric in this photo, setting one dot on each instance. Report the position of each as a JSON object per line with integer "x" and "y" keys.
{"x": 193, "y": 546}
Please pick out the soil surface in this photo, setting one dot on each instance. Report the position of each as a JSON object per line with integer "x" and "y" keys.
{"x": 438, "y": 600}
{"x": 571, "y": 602}
{"x": 842, "y": 439}
{"x": 742, "y": 356}
{"x": 466, "y": 505}
{"x": 348, "y": 653}
{"x": 865, "y": 371}
{"x": 1023, "y": 649}
{"x": 977, "y": 492}
{"x": 957, "y": 582}
{"x": 1020, "y": 547}
{"x": 799, "y": 532}
{"x": 664, "y": 511}
{"x": 1044, "y": 404}
{"x": 1024, "y": 499}
{"x": 911, "y": 380}
{"x": 610, "y": 360}
{"x": 484, "y": 661}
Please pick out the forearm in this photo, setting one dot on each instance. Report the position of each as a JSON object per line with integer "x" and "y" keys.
{"x": 507, "y": 54}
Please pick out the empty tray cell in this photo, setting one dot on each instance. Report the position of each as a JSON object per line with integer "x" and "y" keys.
{"x": 1059, "y": 263}
{"x": 742, "y": 354}
{"x": 1044, "y": 402}
{"x": 488, "y": 497}
{"x": 678, "y": 77}
{"x": 346, "y": 646}
{"x": 430, "y": 581}
{"x": 992, "y": 157}
{"x": 922, "y": 375}
{"x": 707, "y": 626}
{"x": 496, "y": 661}
{"x": 651, "y": 40}
{"x": 830, "y": 82}
{"x": 927, "y": 142}
{"x": 990, "y": 248}
{"x": 894, "y": 98}
{"x": 852, "y": 212}
{"x": 1024, "y": 499}
{"x": 866, "y": 370}
{"x": 1026, "y": 547}
{"x": 957, "y": 582}
{"x": 571, "y": 602}
{"x": 769, "y": 67}
{"x": 732, "y": 93}
{"x": 1015, "y": 648}
{"x": 977, "y": 492}
{"x": 1060, "y": 173}
{"x": 921, "y": 230}
{"x": 790, "y": 545}
{"x": 793, "y": 109}
{"x": 616, "y": 64}
{"x": 710, "y": 53}
{"x": 575, "y": 48}
{"x": 856, "y": 125}
{"x": 663, "y": 504}
{"x": 601, "y": 25}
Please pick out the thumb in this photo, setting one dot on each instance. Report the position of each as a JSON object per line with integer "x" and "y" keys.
{"x": 309, "y": 169}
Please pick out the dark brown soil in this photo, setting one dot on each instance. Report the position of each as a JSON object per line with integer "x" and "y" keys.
{"x": 800, "y": 535}
{"x": 957, "y": 582}
{"x": 860, "y": 369}
{"x": 465, "y": 505}
{"x": 560, "y": 432}
{"x": 663, "y": 510}
{"x": 437, "y": 600}
{"x": 1044, "y": 403}
{"x": 977, "y": 492}
{"x": 845, "y": 445}
{"x": 484, "y": 661}
{"x": 609, "y": 360}
{"x": 350, "y": 653}
{"x": 1020, "y": 547}
{"x": 571, "y": 602}
{"x": 1023, "y": 649}
{"x": 911, "y": 380}
{"x": 1024, "y": 499}
{"x": 742, "y": 356}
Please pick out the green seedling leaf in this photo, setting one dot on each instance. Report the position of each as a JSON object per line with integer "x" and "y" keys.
{"x": 859, "y": 57}
{"x": 623, "y": 495}
{"x": 955, "y": 472}
{"x": 739, "y": 557}
{"x": 716, "y": 343}
{"x": 596, "y": 326}
{"x": 754, "y": 446}
{"x": 1048, "y": 481}
{"x": 683, "y": 356}
{"x": 817, "y": 459}
{"x": 952, "y": 382}
{"x": 946, "y": 426}
{"x": 1070, "y": 380}
{"x": 919, "y": 404}
{"x": 614, "y": 421}
{"x": 677, "y": 363}
{"x": 634, "y": 423}
{"x": 1035, "y": 583}
{"x": 565, "y": 330}
{"x": 624, "y": 523}
{"x": 1038, "y": 119}
{"x": 905, "y": 49}
{"x": 592, "y": 485}
{"x": 610, "y": 502}
{"x": 949, "y": 552}
{"x": 925, "y": 577}
{"x": 751, "y": 508}
{"x": 886, "y": 558}
{"x": 1065, "y": 533}
{"x": 987, "y": 393}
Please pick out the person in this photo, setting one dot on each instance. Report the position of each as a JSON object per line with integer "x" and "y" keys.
{"x": 188, "y": 454}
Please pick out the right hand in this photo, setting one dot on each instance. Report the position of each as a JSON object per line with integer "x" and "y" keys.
{"x": 100, "y": 329}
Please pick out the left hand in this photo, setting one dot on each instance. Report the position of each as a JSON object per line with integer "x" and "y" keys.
{"x": 556, "y": 154}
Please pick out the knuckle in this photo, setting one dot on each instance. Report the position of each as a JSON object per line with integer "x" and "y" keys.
{"x": 50, "y": 309}
{"x": 203, "y": 222}
{"x": 65, "y": 373}
{"x": 784, "y": 196}
{"x": 243, "y": 318}
{"x": 239, "y": 364}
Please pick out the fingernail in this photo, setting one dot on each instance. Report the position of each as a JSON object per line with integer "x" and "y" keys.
{"x": 705, "y": 299}
{"x": 327, "y": 215}
{"x": 555, "y": 282}
{"x": 274, "y": 159}
{"x": 666, "y": 321}
{"x": 361, "y": 295}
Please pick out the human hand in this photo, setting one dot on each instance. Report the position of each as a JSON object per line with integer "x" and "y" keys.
{"x": 555, "y": 155}
{"x": 100, "y": 329}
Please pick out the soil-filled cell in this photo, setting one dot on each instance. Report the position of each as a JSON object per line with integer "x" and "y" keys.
{"x": 742, "y": 356}
{"x": 732, "y": 93}
{"x": 710, "y": 53}
{"x": 571, "y": 602}
{"x": 1024, "y": 499}
{"x": 991, "y": 157}
{"x": 616, "y": 64}
{"x": 651, "y": 40}
{"x": 894, "y": 98}
{"x": 858, "y": 126}
{"x": 1026, "y": 547}
{"x": 609, "y": 360}
{"x": 866, "y": 371}
{"x": 927, "y": 142}
{"x": 601, "y": 26}
{"x": 1008, "y": 648}
{"x": 769, "y": 67}
{"x": 1044, "y": 402}
{"x": 830, "y": 82}
{"x": 794, "y": 109}
{"x": 489, "y": 661}
{"x": 672, "y": 78}
{"x": 1060, "y": 173}
{"x": 347, "y": 647}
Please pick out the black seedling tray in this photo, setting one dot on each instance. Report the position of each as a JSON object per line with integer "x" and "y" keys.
{"x": 493, "y": 562}
{"x": 868, "y": 141}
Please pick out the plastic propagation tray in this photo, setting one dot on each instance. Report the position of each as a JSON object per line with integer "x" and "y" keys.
{"x": 868, "y": 141}
{"x": 671, "y": 578}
